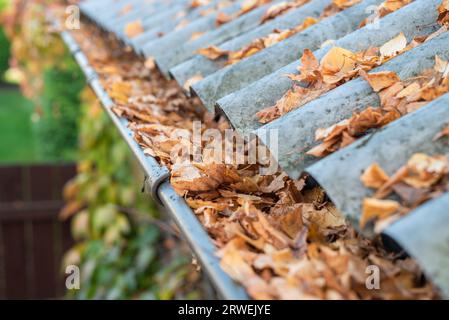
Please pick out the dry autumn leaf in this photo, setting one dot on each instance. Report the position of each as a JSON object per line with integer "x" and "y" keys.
{"x": 443, "y": 11}
{"x": 374, "y": 176}
{"x": 213, "y": 52}
{"x": 198, "y": 3}
{"x": 222, "y": 18}
{"x": 133, "y": 29}
{"x": 422, "y": 178}
{"x": 344, "y": 4}
{"x": 374, "y": 209}
{"x": 380, "y": 80}
{"x": 423, "y": 171}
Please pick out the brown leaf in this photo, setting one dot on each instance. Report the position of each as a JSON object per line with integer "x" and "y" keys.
{"x": 325, "y": 218}
{"x": 222, "y": 18}
{"x": 443, "y": 11}
{"x": 374, "y": 176}
{"x": 197, "y": 178}
{"x": 309, "y": 66}
{"x": 409, "y": 195}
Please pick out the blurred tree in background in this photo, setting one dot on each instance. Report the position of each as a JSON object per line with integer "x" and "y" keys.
{"x": 123, "y": 248}
{"x": 60, "y": 100}
{"x": 50, "y": 77}
{"x": 4, "y": 45}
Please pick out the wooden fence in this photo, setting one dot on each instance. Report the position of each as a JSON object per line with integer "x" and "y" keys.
{"x": 32, "y": 239}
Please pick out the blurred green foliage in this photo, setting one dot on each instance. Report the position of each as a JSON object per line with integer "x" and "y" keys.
{"x": 4, "y": 52}
{"x": 60, "y": 101}
{"x": 121, "y": 255}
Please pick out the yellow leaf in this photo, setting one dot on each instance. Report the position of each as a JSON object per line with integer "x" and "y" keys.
{"x": 133, "y": 29}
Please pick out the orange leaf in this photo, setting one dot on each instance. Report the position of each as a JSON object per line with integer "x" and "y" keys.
{"x": 374, "y": 209}
{"x": 374, "y": 176}
{"x": 213, "y": 52}
{"x": 133, "y": 29}
{"x": 380, "y": 80}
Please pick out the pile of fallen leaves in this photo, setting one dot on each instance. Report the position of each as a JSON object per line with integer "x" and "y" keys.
{"x": 280, "y": 238}
{"x": 397, "y": 98}
{"x": 337, "y": 67}
{"x": 213, "y": 52}
{"x": 423, "y": 178}
{"x": 256, "y": 45}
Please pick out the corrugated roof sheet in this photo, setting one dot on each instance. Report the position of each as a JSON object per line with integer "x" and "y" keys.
{"x": 239, "y": 90}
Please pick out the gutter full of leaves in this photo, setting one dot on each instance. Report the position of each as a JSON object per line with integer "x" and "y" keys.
{"x": 159, "y": 187}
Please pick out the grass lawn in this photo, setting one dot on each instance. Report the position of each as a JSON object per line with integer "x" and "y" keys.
{"x": 17, "y": 140}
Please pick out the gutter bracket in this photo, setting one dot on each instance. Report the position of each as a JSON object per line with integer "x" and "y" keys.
{"x": 154, "y": 180}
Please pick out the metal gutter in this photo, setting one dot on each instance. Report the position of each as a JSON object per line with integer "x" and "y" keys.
{"x": 161, "y": 190}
